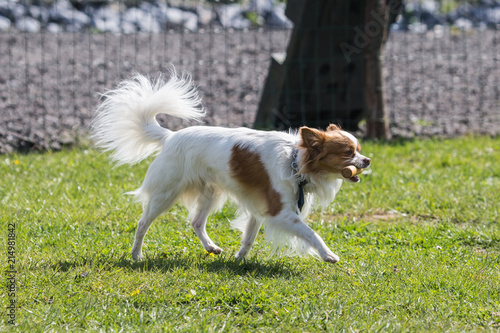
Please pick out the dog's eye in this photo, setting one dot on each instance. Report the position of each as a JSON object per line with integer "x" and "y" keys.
{"x": 350, "y": 152}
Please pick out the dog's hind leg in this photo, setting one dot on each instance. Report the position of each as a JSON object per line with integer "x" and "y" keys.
{"x": 248, "y": 238}
{"x": 155, "y": 206}
{"x": 205, "y": 204}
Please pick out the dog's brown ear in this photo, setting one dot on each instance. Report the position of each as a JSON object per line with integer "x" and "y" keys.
{"x": 332, "y": 127}
{"x": 311, "y": 138}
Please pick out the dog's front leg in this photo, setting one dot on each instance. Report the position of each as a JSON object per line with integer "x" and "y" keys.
{"x": 292, "y": 223}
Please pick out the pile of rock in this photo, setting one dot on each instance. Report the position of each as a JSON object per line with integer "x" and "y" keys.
{"x": 147, "y": 16}
{"x": 156, "y": 16}
{"x": 421, "y": 16}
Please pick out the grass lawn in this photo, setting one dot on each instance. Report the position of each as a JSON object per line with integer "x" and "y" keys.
{"x": 418, "y": 239}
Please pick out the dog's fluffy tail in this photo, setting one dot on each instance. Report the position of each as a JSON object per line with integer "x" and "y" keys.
{"x": 125, "y": 122}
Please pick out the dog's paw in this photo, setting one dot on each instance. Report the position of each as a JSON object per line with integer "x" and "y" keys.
{"x": 137, "y": 256}
{"x": 240, "y": 256}
{"x": 331, "y": 258}
{"x": 214, "y": 249}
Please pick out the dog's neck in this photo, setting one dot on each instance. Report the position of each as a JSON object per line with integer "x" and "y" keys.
{"x": 323, "y": 187}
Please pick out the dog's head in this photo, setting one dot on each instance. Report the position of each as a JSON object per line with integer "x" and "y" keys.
{"x": 328, "y": 152}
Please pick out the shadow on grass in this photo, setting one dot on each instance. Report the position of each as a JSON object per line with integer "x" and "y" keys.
{"x": 221, "y": 264}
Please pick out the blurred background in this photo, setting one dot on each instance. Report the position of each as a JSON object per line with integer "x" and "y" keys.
{"x": 381, "y": 69}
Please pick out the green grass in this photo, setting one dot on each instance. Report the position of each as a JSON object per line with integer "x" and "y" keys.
{"x": 419, "y": 241}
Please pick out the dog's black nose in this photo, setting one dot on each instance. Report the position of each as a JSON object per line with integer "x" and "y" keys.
{"x": 367, "y": 161}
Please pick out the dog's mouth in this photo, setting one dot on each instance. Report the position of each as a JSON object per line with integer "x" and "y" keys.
{"x": 354, "y": 179}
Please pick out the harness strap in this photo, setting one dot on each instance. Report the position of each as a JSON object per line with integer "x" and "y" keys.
{"x": 300, "y": 202}
{"x": 302, "y": 180}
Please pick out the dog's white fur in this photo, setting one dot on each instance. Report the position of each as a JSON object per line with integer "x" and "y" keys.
{"x": 203, "y": 166}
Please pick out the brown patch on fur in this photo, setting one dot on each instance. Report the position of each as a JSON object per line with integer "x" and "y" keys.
{"x": 248, "y": 169}
{"x": 327, "y": 152}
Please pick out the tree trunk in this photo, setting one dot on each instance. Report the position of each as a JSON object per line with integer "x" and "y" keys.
{"x": 333, "y": 68}
{"x": 376, "y": 27}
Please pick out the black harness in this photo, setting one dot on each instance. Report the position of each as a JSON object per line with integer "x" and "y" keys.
{"x": 302, "y": 180}
{"x": 300, "y": 202}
